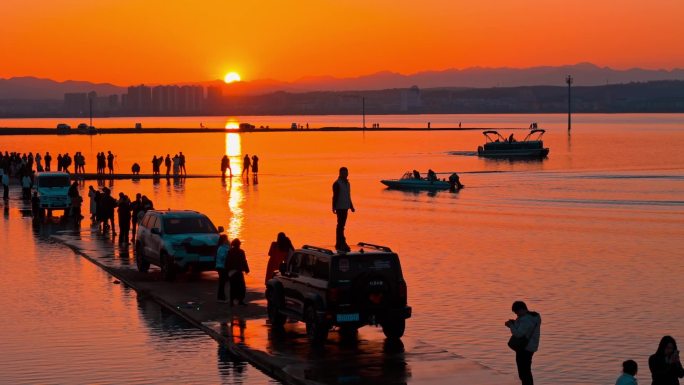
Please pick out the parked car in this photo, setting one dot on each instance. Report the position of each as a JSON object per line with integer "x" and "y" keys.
{"x": 63, "y": 128}
{"x": 82, "y": 126}
{"x": 53, "y": 190}
{"x": 326, "y": 288}
{"x": 176, "y": 241}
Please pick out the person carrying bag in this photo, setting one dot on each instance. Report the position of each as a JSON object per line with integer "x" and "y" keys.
{"x": 525, "y": 334}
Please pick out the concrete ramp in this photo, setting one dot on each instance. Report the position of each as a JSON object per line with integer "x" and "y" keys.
{"x": 367, "y": 358}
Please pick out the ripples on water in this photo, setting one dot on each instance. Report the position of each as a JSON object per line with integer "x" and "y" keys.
{"x": 590, "y": 237}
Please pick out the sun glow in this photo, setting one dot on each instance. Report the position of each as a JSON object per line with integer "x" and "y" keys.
{"x": 231, "y": 77}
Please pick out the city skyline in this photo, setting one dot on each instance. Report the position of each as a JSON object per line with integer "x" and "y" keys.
{"x": 130, "y": 43}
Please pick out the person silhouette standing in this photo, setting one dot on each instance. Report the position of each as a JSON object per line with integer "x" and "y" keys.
{"x": 255, "y": 165}
{"x": 167, "y": 163}
{"x": 526, "y": 328}
{"x": 5, "y": 186}
{"x": 176, "y": 165}
{"x": 236, "y": 264}
{"x": 155, "y": 170}
{"x": 246, "y": 162}
{"x": 181, "y": 162}
{"x": 110, "y": 162}
{"x": 48, "y": 160}
{"x": 124, "y": 211}
{"x": 92, "y": 203}
{"x": 108, "y": 204}
{"x": 341, "y": 204}
{"x": 136, "y": 208}
{"x": 280, "y": 250}
{"x": 666, "y": 367}
{"x": 221, "y": 256}
{"x": 225, "y": 165}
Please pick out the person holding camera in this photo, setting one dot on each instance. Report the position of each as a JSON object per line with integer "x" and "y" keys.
{"x": 525, "y": 334}
{"x": 666, "y": 368}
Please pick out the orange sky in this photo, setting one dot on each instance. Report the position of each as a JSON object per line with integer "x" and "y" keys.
{"x": 164, "y": 41}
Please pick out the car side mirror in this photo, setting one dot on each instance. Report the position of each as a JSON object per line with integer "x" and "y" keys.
{"x": 155, "y": 231}
{"x": 221, "y": 229}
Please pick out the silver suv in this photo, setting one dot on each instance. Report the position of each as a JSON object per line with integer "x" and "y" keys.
{"x": 176, "y": 240}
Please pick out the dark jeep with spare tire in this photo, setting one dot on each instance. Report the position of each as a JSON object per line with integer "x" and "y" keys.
{"x": 326, "y": 288}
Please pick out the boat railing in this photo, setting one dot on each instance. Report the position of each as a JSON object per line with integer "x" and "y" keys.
{"x": 533, "y": 132}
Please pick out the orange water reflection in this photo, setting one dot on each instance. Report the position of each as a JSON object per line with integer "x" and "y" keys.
{"x": 574, "y": 234}
{"x": 234, "y": 190}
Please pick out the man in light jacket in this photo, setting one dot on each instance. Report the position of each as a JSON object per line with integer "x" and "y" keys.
{"x": 341, "y": 204}
{"x": 527, "y": 325}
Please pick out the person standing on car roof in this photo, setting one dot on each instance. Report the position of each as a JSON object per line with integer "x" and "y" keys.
{"x": 341, "y": 204}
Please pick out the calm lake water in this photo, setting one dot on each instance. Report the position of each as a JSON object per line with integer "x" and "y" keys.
{"x": 591, "y": 238}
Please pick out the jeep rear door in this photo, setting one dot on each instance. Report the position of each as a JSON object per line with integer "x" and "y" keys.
{"x": 313, "y": 279}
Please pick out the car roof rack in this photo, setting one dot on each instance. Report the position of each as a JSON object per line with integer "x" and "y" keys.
{"x": 319, "y": 249}
{"x": 376, "y": 247}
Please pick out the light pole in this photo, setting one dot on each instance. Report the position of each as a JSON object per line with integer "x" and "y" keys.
{"x": 363, "y": 111}
{"x": 569, "y": 80}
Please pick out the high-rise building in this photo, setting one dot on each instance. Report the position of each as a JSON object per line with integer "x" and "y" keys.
{"x": 214, "y": 98}
{"x": 139, "y": 100}
{"x": 411, "y": 100}
{"x": 76, "y": 104}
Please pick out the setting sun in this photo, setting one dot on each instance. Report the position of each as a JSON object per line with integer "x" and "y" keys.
{"x": 231, "y": 77}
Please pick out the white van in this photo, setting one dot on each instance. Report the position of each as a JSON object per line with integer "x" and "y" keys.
{"x": 53, "y": 190}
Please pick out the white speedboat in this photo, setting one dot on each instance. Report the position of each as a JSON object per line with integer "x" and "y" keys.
{"x": 409, "y": 182}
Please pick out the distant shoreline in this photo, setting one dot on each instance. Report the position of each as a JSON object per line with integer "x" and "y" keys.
{"x": 110, "y": 131}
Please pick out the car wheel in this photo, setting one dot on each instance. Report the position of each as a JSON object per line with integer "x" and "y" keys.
{"x": 274, "y": 315}
{"x": 140, "y": 261}
{"x": 316, "y": 330}
{"x": 394, "y": 328}
{"x": 168, "y": 269}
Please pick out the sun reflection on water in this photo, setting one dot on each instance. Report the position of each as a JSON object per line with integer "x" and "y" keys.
{"x": 234, "y": 189}
{"x": 233, "y": 147}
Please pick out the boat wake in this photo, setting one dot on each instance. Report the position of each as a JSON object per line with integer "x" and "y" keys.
{"x": 611, "y": 202}
{"x": 626, "y": 176}
{"x": 463, "y": 153}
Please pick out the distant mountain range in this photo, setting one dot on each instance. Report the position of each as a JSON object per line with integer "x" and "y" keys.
{"x": 584, "y": 74}
{"x": 44, "y": 89}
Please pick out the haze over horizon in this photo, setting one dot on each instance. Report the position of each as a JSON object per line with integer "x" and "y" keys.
{"x": 309, "y": 78}
{"x": 159, "y": 42}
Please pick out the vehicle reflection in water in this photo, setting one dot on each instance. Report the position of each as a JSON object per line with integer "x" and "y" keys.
{"x": 364, "y": 358}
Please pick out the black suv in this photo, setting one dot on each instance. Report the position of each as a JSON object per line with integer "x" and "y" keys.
{"x": 346, "y": 289}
